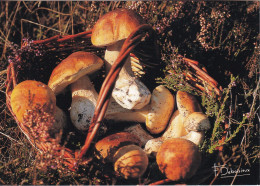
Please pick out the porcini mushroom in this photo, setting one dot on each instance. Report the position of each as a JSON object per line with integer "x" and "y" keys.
{"x": 130, "y": 161}
{"x": 137, "y": 130}
{"x": 111, "y": 30}
{"x": 187, "y": 103}
{"x": 179, "y": 159}
{"x": 73, "y": 71}
{"x": 156, "y": 115}
{"x": 30, "y": 95}
{"x": 122, "y": 149}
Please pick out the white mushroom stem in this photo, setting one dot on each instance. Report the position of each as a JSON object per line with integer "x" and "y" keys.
{"x": 152, "y": 146}
{"x": 140, "y": 132}
{"x": 129, "y": 91}
{"x": 84, "y": 100}
{"x": 195, "y": 137}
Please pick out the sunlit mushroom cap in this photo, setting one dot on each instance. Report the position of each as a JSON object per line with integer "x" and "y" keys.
{"x": 178, "y": 159}
{"x": 107, "y": 146}
{"x": 115, "y": 26}
{"x": 187, "y": 103}
{"x": 29, "y": 94}
{"x": 72, "y": 68}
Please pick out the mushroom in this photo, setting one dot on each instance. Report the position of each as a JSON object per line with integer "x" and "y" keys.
{"x": 152, "y": 146}
{"x": 175, "y": 128}
{"x": 30, "y": 95}
{"x": 179, "y": 159}
{"x": 130, "y": 161}
{"x": 188, "y": 122}
{"x": 111, "y": 30}
{"x": 187, "y": 103}
{"x": 156, "y": 115}
{"x": 122, "y": 149}
{"x": 140, "y": 132}
{"x": 74, "y": 70}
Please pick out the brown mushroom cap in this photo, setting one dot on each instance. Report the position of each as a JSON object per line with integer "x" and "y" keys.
{"x": 187, "y": 103}
{"x": 178, "y": 159}
{"x": 29, "y": 94}
{"x": 115, "y": 26}
{"x": 130, "y": 161}
{"x": 72, "y": 68}
{"x": 107, "y": 147}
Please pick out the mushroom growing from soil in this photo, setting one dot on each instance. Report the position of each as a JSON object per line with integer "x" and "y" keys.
{"x": 123, "y": 150}
{"x": 111, "y": 30}
{"x": 73, "y": 71}
{"x": 179, "y": 159}
{"x": 155, "y": 115}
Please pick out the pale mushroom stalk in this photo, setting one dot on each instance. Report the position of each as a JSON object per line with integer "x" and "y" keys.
{"x": 84, "y": 99}
{"x": 129, "y": 91}
{"x": 195, "y": 137}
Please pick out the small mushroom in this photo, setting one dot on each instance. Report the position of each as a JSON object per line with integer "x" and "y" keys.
{"x": 156, "y": 115}
{"x": 124, "y": 151}
{"x": 130, "y": 161}
{"x": 152, "y": 146}
{"x": 196, "y": 121}
{"x": 107, "y": 147}
{"x": 179, "y": 159}
{"x": 73, "y": 71}
{"x": 111, "y": 30}
{"x": 187, "y": 103}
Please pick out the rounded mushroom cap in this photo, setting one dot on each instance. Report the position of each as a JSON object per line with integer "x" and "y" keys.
{"x": 72, "y": 68}
{"x": 197, "y": 121}
{"x": 130, "y": 161}
{"x": 161, "y": 108}
{"x": 178, "y": 159}
{"x": 29, "y": 94}
{"x": 107, "y": 147}
{"x": 187, "y": 103}
{"x": 114, "y": 26}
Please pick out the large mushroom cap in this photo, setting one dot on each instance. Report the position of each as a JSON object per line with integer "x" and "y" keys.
{"x": 72, "y": 68}
{"x": 114, "y": 26}
{"x": 107, "y": 146}
{"x": 29, "y": 94}
{"x": 178, "y": 159}
{"x": 187, "y": 103}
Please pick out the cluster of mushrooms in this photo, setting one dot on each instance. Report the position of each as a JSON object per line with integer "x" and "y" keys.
{"x": 181, "y": 129}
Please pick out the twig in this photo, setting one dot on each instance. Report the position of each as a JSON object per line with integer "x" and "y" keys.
{"x": 12, "y": 139}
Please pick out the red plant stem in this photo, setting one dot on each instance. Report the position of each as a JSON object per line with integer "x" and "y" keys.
{"x": 86, "y": 34}
{"x": 161, "y": 182}
{"x": 47, "y": 40}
